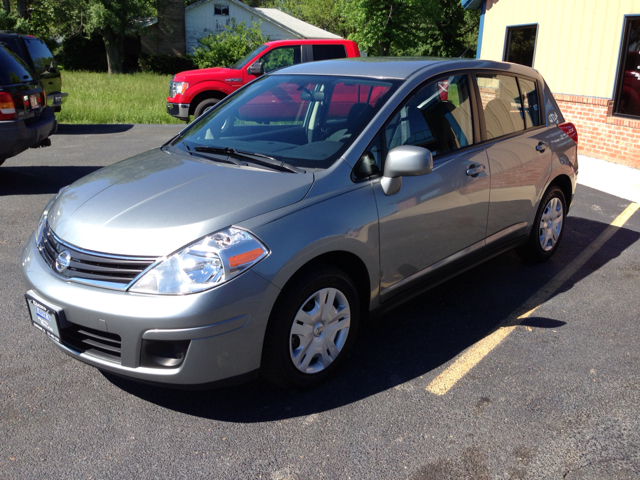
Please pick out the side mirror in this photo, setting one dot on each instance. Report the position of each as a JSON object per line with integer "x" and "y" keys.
{"x": 256, "y": 69}
{"x": 404, "y": 161}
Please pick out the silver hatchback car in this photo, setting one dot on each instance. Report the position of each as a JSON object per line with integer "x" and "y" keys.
{"x": 259, "y": 238}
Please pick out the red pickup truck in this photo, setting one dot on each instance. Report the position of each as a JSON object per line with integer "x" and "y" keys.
{"x": 193, "y": 91}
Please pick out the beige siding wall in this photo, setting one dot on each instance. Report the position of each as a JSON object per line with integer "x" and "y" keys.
{"x": 578, "y": 41}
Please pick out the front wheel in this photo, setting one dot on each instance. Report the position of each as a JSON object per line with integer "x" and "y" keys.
{"x": 547, "y": 229}
{"x": 311, "y": 328}
{"x": 203, "y": 105}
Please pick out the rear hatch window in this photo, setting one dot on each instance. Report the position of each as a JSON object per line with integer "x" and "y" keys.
{"x": 12, "y": 69}
{"x": 40, "y": 54}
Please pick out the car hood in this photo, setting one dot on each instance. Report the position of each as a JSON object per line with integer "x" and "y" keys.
{"x": 157, "y": 202}
{"x": 214, "y": 73}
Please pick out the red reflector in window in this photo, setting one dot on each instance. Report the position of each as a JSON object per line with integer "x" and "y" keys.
{"x": 570, "y": 129}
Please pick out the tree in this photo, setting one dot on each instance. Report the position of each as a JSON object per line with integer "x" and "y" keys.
{"x": 114, "y": 20}
{"x": 381, "y": 26}
{"x": 228, "y": 46}
{"x": 325, "y": 14}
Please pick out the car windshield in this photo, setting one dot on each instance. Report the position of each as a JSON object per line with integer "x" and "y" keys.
{"x": 12, "y": 69}
{"x": 306, "y": 121}
{"x": 244, "y": 60}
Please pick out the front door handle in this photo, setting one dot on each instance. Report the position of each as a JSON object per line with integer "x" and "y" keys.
{"x": 542, "y": 146}
{"x": 474, "y": 169}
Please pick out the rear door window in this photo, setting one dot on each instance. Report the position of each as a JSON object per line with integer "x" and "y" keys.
{"x": 327, "y": 52}
{"x": 501, "y": 104}
{"x": 530, "y": 102}
{"x": 40, "y": 54}
{"x": 281, "y": 57}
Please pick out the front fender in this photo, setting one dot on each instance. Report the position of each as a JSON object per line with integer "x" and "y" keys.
{"x": 345, "y": 223}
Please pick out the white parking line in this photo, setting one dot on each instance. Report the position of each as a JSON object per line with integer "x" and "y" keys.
{"x": 474, "y": 354}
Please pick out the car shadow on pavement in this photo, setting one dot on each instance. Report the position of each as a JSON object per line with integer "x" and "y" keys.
{"x": 403, "y": 349}
{"x": 39, "y": 179}
{"x": 87, "y": 129}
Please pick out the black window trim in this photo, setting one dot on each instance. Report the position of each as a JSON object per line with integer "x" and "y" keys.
{"x": 617, "y": 89}
{"x": 478, "y": 98}
{"x": 507, "y": 35}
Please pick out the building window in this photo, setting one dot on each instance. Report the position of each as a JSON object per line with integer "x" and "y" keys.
{"x": 627, "y": 101}
{"x": 520, "y": 44}
{"x": 221, "y": 9}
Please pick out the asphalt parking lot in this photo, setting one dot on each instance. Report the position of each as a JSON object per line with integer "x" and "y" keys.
{"x": 450, "y": 385}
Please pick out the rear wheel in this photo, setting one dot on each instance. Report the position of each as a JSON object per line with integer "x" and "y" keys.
{"x": 203, "y": 105}
{"x": 548, "y": 227}
{"x": 311, "y": 328}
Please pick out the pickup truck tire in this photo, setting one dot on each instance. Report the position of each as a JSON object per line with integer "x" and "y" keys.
{"x": 203, "y": 105}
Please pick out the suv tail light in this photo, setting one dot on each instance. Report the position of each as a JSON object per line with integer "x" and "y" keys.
{"x": 570, "y": 129}
{"x": 7, "y": 107}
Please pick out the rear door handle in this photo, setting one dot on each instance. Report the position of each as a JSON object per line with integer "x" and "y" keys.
{"x": 474, "y": 170}
{"x": 542, "y": 146}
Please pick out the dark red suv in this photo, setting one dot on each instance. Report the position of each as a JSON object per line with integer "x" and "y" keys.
{"x": 193, "y": 91}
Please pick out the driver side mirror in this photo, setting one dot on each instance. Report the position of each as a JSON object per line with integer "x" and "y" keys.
{"x": 404, "y": 161}
{"x": 256, "y": 69}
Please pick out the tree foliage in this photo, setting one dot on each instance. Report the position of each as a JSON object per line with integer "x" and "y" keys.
{"x": 409, "y": 27}
{"x": 228, "y": 46}
{"x": 113, "y": 20}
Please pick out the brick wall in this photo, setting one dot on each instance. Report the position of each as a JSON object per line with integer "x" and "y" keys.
{"x": 600, "y": 134}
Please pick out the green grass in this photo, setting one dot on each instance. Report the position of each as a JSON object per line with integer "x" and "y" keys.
{"x": 100, "y": 98}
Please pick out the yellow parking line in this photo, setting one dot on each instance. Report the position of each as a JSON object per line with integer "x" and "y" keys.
{"x": 474, "y": 354}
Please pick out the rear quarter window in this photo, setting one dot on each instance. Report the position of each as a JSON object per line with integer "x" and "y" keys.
{"x": 328, "y": 52}
{"x": 12, "y": 69}
{"x": 40, "y": 54}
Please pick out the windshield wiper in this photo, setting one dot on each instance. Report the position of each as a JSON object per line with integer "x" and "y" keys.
{"x": 226, "y": 159}
{"x": 253, "y": 157}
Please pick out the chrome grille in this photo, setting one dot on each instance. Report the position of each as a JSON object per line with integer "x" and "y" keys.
{"x": 110, "y": 271}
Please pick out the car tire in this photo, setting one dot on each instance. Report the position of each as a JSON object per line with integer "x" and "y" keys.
{"x": 547, "y": 229}
{"x": 311, "y": 328}
{"x": 203, "y": 105}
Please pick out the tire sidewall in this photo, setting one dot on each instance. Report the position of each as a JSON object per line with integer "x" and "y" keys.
{"x": 203, "y": 105}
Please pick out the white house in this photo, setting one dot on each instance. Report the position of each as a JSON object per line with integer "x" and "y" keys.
{"x": 211, "y": 16}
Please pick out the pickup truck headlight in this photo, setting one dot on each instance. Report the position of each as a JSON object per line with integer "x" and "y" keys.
{"x": 177, "y": 88}
{"x": 207, "y": 263}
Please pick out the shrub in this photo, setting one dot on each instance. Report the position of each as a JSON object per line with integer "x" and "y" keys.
{"x": 229, "y": 46}
{"x": 165, "y": 64}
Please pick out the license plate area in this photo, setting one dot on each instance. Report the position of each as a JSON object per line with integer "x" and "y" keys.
{"x": 33, "y": 101}
{"x": 44, "y": 317}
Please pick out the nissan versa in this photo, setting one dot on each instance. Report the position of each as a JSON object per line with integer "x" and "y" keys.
{"x": 258, "y": 239}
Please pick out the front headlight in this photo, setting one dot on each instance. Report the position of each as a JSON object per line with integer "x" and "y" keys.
{"x": 45, "y": 214}
{"x": 211, "y": 261}
{"x": 177, "y": 88}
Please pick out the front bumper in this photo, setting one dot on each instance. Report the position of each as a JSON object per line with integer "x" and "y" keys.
{"x": 223, "y": 327}
{"x": 18, "y": 135}
{"x": 178, "y": 110}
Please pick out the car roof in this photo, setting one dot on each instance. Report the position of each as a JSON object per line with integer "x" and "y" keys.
{"x": 399, "y": 68}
